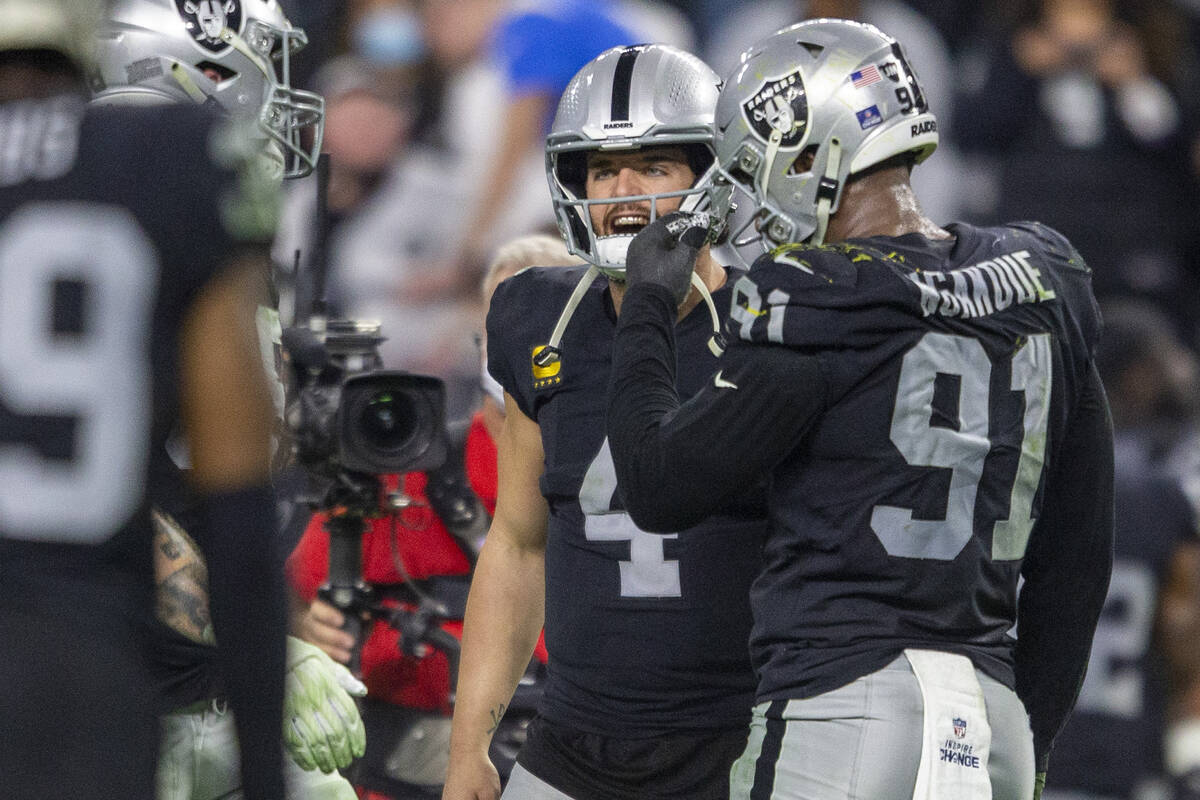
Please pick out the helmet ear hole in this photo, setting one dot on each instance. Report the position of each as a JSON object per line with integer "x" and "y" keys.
{"x": 804, "y": 161}
{"x": 699, "y": 158}
{"x": 218, "y": 72}
{"x": 572, "y": 172}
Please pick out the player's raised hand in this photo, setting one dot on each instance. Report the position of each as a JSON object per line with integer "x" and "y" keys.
{"x": 664, "y": 252}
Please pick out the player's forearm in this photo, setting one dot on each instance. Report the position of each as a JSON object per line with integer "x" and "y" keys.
{"x": 505, "y": 611}
{"x": 182, "y": 580}
{"x": 250, "y": 619}
{"x": 1072, "y": 546}
{"x": 662, "y": 450}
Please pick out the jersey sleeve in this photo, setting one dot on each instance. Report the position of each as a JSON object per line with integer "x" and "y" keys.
{"x": 502, "y": 360}
{"x": 663, "y": 451}
{"x": 520, "y": 319}
{"x": 842, "y": 304}
{"x": 1066, "y": 569}
{"x": 1083, "y": 311}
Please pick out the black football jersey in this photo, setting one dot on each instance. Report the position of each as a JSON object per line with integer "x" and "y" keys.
{"x": 646, "y": 632}
{"x": 902, "y": 518}
{"x": 111, "y": 221}
{"x": 1113, "y": 739}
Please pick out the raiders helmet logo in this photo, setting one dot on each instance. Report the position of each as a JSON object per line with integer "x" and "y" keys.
{"x": 205, "y": 19}
{"x": 892, "y": 70}
{"x": 780, "y": 104}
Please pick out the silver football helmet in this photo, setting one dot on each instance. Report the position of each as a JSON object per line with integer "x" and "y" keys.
{"x": 625, "y": 99}
{"x": 233, "y": 53}
{"x": 66, "y": 26}
{"x": 841, "y": 92}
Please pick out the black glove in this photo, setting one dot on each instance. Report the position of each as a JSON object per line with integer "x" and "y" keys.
{"x": 664, "y": 252}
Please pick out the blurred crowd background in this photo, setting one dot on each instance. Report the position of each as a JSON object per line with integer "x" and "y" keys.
{"x": 1082, "y": 114}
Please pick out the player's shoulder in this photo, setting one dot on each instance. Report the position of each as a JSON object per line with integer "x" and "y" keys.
{"x": 149, "y": 133}
{"x": 1048, "y": 240}
{"x": 838, "y": 275}
{"x": 536, "y": 292}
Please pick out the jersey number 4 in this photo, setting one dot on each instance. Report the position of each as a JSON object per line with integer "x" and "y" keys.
{"x": 647, "y": 573}
{"x": 963, "y": 448}
{"x": 77, "y": 282}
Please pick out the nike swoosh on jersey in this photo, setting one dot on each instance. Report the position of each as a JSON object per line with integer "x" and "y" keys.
{"x": 721, "y": 383}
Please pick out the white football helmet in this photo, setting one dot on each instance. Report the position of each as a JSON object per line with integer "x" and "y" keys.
{"x": 840, "y": 91}
{"x": 625, "y": 99}
{"x": 234, "y": 53}
{"x": 65, "y": 26}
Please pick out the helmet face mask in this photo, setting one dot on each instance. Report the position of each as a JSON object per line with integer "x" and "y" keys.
{"x": 626, "y": 100}
{"x": 232, "y": 53}
{"x": 838, "y": 94}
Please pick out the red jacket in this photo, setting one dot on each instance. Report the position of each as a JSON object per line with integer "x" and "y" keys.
{"x": 425, "y": 548}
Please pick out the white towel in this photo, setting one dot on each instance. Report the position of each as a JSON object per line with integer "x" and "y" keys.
{"x": 956, "y": 735}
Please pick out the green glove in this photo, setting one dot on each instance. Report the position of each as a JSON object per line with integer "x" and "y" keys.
{"x": 1039, "y": 783}
{"x": 321, "y": 724}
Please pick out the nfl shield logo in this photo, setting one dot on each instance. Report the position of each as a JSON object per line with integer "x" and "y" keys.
{"x": 960, "y": 727}
{"x": 205, "y": 19}
{"x": 892, "y": 70}
{"x": 780, "y": 104}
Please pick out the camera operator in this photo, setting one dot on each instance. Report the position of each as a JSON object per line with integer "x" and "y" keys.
{"x": 419, "y": 562}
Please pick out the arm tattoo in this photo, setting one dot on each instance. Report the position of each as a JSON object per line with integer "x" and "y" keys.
{"x": 497, "y": 714}
{"x": 182, "y": 580}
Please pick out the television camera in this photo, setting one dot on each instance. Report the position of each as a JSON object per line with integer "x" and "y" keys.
{"x": 353, "y": 423}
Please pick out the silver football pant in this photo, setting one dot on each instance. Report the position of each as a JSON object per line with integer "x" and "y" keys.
{"x": 863, "y": 741}
{"x": 199, "y": 760}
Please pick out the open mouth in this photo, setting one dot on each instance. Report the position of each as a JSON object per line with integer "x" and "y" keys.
{"x": 627, "y": 222}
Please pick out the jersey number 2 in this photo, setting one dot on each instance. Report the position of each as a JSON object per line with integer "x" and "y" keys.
{"x": 92, "y": 265}
{"x": 962, "y": 449}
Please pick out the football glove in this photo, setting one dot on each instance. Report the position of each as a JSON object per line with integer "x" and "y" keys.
{"x": 321, "y": 724}
{"x": 664, "y": 252}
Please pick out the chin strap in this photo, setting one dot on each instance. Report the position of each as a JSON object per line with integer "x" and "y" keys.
{"x": 551, "y": 353}
{"x": 764, "y": 172}
{"x": 716, "y": 343}
{"x": 827, "y": 190}
{"x": 179, "y": 74}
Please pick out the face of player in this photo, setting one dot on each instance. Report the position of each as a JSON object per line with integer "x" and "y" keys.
{"x": 647, "y": 171}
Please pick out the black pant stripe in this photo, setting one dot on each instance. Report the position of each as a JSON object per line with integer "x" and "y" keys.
{"x": 764, "y": 767}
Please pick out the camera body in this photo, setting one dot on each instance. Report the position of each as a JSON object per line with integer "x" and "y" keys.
{"x": 348, "y": 416}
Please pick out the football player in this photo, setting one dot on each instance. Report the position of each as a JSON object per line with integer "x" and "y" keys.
{"x": 649, "y": 677}
{"x": 127, "y": 294}
{"x": 925, "y": 402}
{"x": 234, "y": 58}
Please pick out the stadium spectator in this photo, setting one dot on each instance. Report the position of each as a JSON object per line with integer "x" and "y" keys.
{"x": 925, "y": 402}
{"x": 1144, "y": 669}
{"x": 123, "y": 310}
{"x": 409, "y": 701}
{"x": 1081, "y": 102}
{"x": 649, "y": 684}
